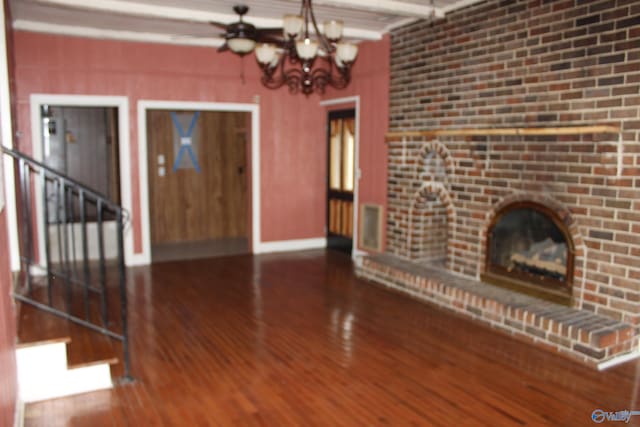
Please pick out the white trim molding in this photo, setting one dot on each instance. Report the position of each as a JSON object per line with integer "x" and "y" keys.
{"x": 143, "y": 106}
{"x": 7, "y": 141}
{"x": 293, "y": 245}
{"x": 618, "y": 360}
{"x": 145, "y": 10}
{"x": 402, "y": 8}
{"x": 121, "y": 103}
{"x": 18, "y": 419}
{"x": 102, "y": 33}
{"x": 355, "y": 101}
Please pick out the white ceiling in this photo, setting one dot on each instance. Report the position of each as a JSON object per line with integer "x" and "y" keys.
{"x": 186, "y": 21}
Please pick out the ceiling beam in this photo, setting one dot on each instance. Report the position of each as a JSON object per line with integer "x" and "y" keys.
{"x": 98, "y": 33}
{"x": 394, "y": 7}
{"x": 133, "y": 8}
{"x": 459, "y": 5}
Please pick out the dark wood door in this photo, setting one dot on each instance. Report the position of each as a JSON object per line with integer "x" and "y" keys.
{"x": 197, "y": 175}
{"x": 82, "y": 142}
{"x": 340, "y": 179}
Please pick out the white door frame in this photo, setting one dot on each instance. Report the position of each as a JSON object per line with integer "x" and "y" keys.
{"x": 254, "y": 109}
{"x": 8, "y": 194}
{"x": 121, "y": 103}
{"x": 355, "y": 100}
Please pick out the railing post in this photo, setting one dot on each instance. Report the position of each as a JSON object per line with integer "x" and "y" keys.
{"x": 45, "y": 224}
{"x": 102, "y": 266}
{"x": 25, "y": 193}
{"x": 65, "y": 261}
{"x": 85, "y": 253}
{"x": 123, "y": 295}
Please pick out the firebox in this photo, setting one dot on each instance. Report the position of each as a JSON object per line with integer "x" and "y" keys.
{"x": 529, "y": 249}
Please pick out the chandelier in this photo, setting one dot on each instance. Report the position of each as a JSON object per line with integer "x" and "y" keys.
{"x": 307, "y": 60}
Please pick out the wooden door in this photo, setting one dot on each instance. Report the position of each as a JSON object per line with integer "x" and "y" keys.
{"x": 202, "y": 194}
{"x": 340, "y": 179}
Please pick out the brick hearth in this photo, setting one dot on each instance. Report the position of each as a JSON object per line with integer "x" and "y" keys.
{"x": 576, "y": 333}
{"x": 508, "y": 64}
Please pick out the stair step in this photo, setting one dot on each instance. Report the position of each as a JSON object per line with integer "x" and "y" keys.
{"x": 36, "y": 361}
{"x": 89, "y": 348}
{"x": 36, "y": 326}
{"x": 84, "y": 347}
{"x": 35, "y": 343}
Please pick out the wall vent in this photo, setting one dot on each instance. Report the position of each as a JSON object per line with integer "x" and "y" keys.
{"x": 371, "y": 227}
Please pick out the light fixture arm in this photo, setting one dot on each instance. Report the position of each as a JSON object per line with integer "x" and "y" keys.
{"x": 304, "y": 79}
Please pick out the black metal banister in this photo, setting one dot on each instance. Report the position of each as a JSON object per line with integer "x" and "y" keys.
{"x": 68, "y": 209}
{"x": 75, "y": 183}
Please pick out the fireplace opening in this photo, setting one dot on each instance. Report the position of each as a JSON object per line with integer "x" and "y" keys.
{"x": 529, "y": 249}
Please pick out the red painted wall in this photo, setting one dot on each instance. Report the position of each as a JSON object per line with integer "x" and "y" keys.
{"x": 293, "y": 146}
{"x": 292, "y": 128}
{"x": 371, "y": 79}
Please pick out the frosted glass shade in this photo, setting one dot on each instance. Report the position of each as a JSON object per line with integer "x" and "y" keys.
{"x": 333, "y": 29}
{"x": 241, "y": 45}
{"x": 346, "y": 52}
{"x": 265, "y": 53}
{"x": 306, "y": 48}
{"x": 291, "y": 25}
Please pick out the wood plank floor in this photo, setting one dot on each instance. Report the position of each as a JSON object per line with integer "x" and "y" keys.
{"x": 297, "y": 339}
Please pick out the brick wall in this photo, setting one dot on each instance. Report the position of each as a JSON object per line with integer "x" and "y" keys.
{"x": 523, "y": 64}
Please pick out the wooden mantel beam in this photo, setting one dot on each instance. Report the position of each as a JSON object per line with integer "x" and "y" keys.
{"x": 532, "y": 131}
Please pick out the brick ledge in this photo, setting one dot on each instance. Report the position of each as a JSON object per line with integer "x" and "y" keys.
{"x": 580, "y": 334}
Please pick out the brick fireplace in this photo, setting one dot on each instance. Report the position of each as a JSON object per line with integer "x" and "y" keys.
{"x": 502, "y": 105}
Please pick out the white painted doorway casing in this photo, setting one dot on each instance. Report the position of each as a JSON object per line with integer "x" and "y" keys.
{"x": 355, "y": 102}
{"x": 121, "y": 103}
{"x": 254, "y": 109}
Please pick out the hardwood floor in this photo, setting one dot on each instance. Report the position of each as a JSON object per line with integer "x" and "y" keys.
{"x": 296, "y": 339}
{"x": 179, "y": 251}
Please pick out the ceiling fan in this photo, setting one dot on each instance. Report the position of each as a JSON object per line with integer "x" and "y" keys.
{"x": 241, "y": 37}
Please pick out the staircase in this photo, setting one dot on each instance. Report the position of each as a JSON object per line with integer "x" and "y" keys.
{"x": 72, "y": 317}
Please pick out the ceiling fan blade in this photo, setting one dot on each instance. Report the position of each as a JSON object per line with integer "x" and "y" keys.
{"x": 273, "y": 30}
{"x": 223, "y": 48}
{"x": 269, "y": 33}
{"x": 219, "y": 25}
{"x": 273, "y": 40}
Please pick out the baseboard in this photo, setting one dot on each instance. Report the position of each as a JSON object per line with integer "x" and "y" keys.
{"x": 137, "y": 260}
{"x": 291, "y": 245}
{"x": 618, "y": 360}
{"x": 18, "y": 420}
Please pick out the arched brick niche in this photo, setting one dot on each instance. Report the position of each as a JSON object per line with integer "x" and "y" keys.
{"x": 531, "y": 243}
{"x": 435, "y": 163}
{"x": 431, "y": 221}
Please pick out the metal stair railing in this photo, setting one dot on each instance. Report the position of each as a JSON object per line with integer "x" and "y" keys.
{"x": 64, "y": 210}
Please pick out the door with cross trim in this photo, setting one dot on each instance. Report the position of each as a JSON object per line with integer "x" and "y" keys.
{"x": 197, "y": 166}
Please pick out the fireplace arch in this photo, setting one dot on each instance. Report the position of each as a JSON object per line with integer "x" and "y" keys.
{"x": 529, "y": 248}
{"x": 431, "y": 218}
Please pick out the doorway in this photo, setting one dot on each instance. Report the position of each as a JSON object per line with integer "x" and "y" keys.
{"x": 82, "y": 143}
{"x": 198, "y": 187}
{"x": 341, "y": 137}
